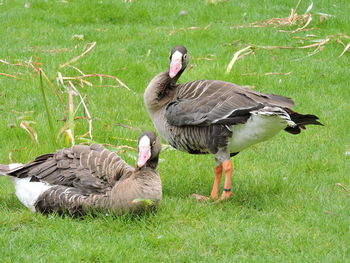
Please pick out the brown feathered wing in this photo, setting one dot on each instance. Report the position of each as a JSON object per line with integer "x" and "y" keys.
{"x": 204, "y": 102}
{"x": 91, "y": 169}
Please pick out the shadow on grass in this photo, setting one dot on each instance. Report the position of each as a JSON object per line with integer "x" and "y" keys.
{"x": 9, "y": 202}
{"x": 249, "y": 196}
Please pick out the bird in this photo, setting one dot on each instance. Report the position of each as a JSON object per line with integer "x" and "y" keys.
{"x": 87, "y": 179}
{"x": 216, "y": 117}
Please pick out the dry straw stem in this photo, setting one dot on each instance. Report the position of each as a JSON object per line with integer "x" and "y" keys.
{"x": 215, "y": 1}
{"x": 10, "y": 64}
{"x": 89, "y": 118}
{"x": 77, "y": 69}
{"x": 266, "y": 74}
{"x": 70, "y": 131}
{"x": 87, "y": 49}
{"x": 63, "y": 129}
{"x": 236, "y": 57}
{"x": 22, "y": 112}
{"x": 250, "y": 49}
{"x": 127, "y": 126}
{"x": 209, "y": 58}
{"x": 343, "y": 187}
{"x": 189, "y": 28}
{"x": 101, "y": 76}
{"x": 15, "y": 150}
{"x": 291, "y": 20}
{"x": 321, "y": 43}
{"x": 69, "y": 137}
{"x": 303, "y": 28}
{"x": 345, "y": 49}
{"x": 30, "y": 130}
{"x": 8, "y": 75}
{"x": 41, "y": 72}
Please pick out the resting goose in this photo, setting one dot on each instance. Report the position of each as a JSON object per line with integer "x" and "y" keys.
{"x": 89, "y": 178}
{"x": 217, "y": 117}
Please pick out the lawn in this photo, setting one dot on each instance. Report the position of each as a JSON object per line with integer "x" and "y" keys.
{"x": 291, "y": 200}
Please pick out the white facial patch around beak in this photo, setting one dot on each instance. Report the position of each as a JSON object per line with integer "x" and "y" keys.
{"x": 175, "y": 64}
{"x": 144, "y": 151}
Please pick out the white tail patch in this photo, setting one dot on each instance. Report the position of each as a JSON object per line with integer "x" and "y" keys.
{"x": 275, "y": 111}
{"x": 261, "y": 126}
{"x": 5, "y": 169}
{"x": 28, "y": 192}
{"x": 13, "y": 166}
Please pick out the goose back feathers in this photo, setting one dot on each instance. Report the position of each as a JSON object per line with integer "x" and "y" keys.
{"x": 205, "y": 102}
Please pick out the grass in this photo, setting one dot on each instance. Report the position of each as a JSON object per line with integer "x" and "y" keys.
{"x": 286, "y": 207}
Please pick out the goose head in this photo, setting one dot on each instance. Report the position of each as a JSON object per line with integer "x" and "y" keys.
{"x": 178, "y": 61}
{"x": 149, "y": 148}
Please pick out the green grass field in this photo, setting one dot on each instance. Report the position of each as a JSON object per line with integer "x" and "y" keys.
{"x": 288, "y": 205}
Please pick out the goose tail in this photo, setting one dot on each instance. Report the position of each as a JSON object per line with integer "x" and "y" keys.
{"x": 302, "y": 120}
{"x": 5, "y": 169}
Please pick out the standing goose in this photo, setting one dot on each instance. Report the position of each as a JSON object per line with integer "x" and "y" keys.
{"x": 89, "y": 178}
{"x": 217, "y": 117}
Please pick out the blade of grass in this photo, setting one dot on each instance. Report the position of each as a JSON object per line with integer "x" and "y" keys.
{"x": 30, "y": 130}
{"x": 71, "y": 125}
{"x": 48, "y": 113}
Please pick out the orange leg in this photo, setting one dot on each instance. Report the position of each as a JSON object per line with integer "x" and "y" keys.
{"x": 215, "y": 190}
{"x": 228, "y": 168}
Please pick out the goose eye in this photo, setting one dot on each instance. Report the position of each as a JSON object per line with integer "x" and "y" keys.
{"x": 153, "y": 143}
{"x": 185, "y": 56}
